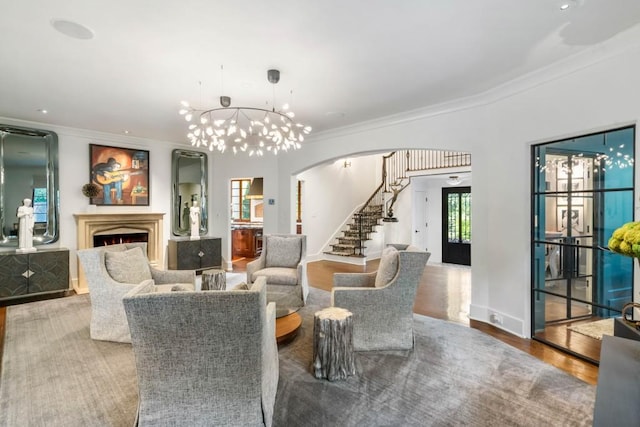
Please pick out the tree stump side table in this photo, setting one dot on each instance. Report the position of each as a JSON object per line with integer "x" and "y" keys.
{"x": 213, "y": 280}
{"x": 333, "y": 356}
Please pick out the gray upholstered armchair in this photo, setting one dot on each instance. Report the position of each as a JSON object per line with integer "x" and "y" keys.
{"x": 382, "y": 301}
{"x": 283, "y": 264}
{"x": 204, "y": 358}
{"x": 111, "y": 272}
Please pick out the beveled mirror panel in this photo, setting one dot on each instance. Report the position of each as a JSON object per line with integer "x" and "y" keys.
{"x": 189, "y": 186}
{"x": 28, "y": 170}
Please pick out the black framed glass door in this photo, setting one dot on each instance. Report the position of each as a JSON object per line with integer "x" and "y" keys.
{"x": 456, "y": 225}
{"x": 582, "y": 190}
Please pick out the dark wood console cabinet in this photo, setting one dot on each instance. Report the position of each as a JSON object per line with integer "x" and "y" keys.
{"x": 246, "y": 242}
{"x": 26, "y": 274}
{"x": 200, "y": 254}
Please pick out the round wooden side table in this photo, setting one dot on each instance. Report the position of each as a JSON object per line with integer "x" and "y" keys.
{"x": 287, "y": 327}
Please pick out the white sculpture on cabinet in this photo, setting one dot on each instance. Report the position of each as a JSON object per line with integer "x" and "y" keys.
{"x": 194, "y": 217}
{"x": 25, "y": 233}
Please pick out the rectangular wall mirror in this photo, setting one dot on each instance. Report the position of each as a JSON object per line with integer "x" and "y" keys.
{"x": 29, "y": 170}
{"x": 189, "y": 187}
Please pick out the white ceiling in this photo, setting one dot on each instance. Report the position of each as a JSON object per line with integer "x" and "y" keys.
{"x": 344, "y": 61}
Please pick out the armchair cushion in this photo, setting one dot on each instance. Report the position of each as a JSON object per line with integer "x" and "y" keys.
{"x": 130, "y": 266}
{"x": 388, "y": 267}
{"x": 283, "y": 251}
{"x": 277, "y": 276}
{"x": 240, "y": 287}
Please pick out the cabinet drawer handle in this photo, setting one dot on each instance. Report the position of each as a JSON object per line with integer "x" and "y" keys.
{"x": 27, "y": 274}
{"x": 200, "y": 254}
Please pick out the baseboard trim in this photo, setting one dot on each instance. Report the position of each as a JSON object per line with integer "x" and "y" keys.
{"x": 498, "y": 319}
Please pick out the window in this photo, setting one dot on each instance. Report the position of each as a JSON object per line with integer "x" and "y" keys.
{"x": 240, "y": 205}
{"x": 39, "y": 205}
{"x": 459, "y": 221}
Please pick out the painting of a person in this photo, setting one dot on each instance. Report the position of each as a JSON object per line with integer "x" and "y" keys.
{"x": 194, "y": 217}
{"x": 25, "y": 227}
{"x": 108, "y": 175}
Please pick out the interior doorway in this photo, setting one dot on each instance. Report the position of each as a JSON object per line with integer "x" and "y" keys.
{"x": 247, "y": 218}
{"x": 456, "y": 225}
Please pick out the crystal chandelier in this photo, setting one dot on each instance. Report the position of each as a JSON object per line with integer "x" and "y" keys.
{"x": 251, "y": 130}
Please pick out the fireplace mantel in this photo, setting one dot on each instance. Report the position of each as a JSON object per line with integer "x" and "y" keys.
{"x": 90, "y": 224}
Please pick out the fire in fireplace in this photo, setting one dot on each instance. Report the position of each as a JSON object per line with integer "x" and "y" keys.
{"x": 114, "y": 239}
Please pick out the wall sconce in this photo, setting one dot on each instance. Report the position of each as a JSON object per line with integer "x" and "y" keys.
{"x": 347, "y": 163}
{"x": 454, "y": 180}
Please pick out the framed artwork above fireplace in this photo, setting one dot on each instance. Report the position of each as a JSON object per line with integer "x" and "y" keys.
{"x": 122, "y": 175}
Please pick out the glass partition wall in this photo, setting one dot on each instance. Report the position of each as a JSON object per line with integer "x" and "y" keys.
{"x": 582, "y": 190}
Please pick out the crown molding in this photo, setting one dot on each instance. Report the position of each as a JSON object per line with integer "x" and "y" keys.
{"x": 93, "y": 135}
{"x": 622, "y": 44}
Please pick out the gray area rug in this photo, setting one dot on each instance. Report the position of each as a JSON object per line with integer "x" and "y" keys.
{"x": 53, "y": 374}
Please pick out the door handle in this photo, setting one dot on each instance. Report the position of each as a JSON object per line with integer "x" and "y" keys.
{"x": 417, "y": 231}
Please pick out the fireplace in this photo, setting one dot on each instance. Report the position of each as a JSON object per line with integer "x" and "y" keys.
{"x": 96, "y": 227}
{"x": 119, "y": 238}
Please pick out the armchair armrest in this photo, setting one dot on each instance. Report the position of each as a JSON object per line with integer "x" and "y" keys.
{"x": 270, "y": 367}
{"x": 255, "y": 265}
{"x": 173, "y": 276}
{"x": 354, "y": 280}
{"x": 110, "y": 288}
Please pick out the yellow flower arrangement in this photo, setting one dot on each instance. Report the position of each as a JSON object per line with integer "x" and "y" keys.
{"x": 626, "y": 240}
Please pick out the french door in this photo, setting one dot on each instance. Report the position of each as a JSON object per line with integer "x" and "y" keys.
{"x": 582, "y": 190}
{"x": 456, "y": 225}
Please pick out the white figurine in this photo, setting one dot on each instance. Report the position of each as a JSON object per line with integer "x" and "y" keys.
{"x": 25, "y": 236}
{"x": 194, "y": 217}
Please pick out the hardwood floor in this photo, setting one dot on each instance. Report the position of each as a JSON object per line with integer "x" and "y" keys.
{"x": 444, "y": 293}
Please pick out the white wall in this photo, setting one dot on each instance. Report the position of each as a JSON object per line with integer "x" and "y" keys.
{"x": 499, "y": 133}
{"x": 330, "y": 194}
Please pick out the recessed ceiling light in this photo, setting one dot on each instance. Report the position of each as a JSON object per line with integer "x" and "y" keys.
{"x": 568, "y": 4}
{"x": 72, "y": 29}
{"x": 43, "y": 110}
{"x": 126, "y": 132}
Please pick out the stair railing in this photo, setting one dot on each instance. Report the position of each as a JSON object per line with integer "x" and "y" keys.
{"x": 394, "y": 176}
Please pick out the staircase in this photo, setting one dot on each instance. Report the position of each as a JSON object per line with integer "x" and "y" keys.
{"x": 395, "y": 166}
{"x": 358, "y": 231}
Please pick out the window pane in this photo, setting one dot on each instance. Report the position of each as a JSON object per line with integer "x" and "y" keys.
{"x": 39, "y": 205}
{"x": 453, "y": 232}
{"x": 465, "y": 220}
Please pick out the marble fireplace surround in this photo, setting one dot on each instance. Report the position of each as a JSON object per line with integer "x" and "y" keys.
{"x": 91, "y": 224}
